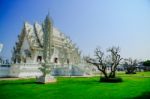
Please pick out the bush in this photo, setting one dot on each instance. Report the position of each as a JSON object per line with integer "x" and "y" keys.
{"x": 111, "y": 80}
{"x": 146, "y": 63}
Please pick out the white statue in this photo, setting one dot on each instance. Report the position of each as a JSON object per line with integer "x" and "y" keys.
{"x": 47, "y": 53}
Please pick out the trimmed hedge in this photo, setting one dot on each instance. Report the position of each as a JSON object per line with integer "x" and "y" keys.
{"x": 111, "y": 80}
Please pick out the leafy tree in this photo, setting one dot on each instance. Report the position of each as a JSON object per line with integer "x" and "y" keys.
{"x": 104, "y": 62}
{"x": 146, "y": 63}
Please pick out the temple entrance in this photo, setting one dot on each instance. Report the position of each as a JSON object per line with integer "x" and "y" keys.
{"x": 39, "y": 58}
{"x": 55, "y": 60}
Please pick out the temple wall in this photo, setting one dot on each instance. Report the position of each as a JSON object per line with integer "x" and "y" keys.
{"x": 4, "y": 71}
{"x": 25, "y": 70}
{"x": 32, "y": 70}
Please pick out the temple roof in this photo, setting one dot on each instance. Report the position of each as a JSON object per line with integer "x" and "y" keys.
{"x": 34, "y": 34}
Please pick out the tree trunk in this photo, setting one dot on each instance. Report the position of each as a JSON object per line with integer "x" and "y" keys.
{"x": 105, "y": 74}
{"x": 112, "y": 74}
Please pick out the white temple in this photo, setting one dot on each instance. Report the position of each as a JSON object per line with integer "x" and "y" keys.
{"x": 29, "y": 46}
{"x": 27, "y": 53}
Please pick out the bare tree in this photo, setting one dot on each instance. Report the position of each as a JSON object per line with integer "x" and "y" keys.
{"x": 104, "y": 62}
{"x": 130, "y": 65}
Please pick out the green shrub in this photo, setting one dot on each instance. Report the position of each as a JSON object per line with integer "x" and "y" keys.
{"x": 146, "y": 63}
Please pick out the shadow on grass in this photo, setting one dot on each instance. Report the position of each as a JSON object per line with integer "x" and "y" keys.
{"x": 70, "y": 81}
{"x": 18, "y": 82}
{"x": 81, "y": 81}
{"x": 85, "y": 81}
{"x": 145, "y": 95}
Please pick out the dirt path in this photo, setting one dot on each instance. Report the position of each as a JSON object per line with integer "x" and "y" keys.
{"x": 12, "y": 78}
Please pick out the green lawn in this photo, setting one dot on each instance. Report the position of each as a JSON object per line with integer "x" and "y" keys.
{"x": 78, "y": 88}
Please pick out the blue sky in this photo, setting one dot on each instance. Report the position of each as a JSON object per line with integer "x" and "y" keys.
{"x": 89, "y": 23}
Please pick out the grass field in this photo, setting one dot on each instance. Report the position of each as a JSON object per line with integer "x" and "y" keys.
{"x": 134, "y": 86}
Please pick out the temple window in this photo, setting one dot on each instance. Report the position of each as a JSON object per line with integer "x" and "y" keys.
{"x": 14, "y": 60}
{"x": 27, "y": 53}
{"x": 24, "y": 60}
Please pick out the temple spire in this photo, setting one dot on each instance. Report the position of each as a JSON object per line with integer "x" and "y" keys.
{"x": 47, "y": 37}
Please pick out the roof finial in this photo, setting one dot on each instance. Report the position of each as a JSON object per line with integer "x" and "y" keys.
{"x": 48, "y": 14}
{"x": 48, "y": 17}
